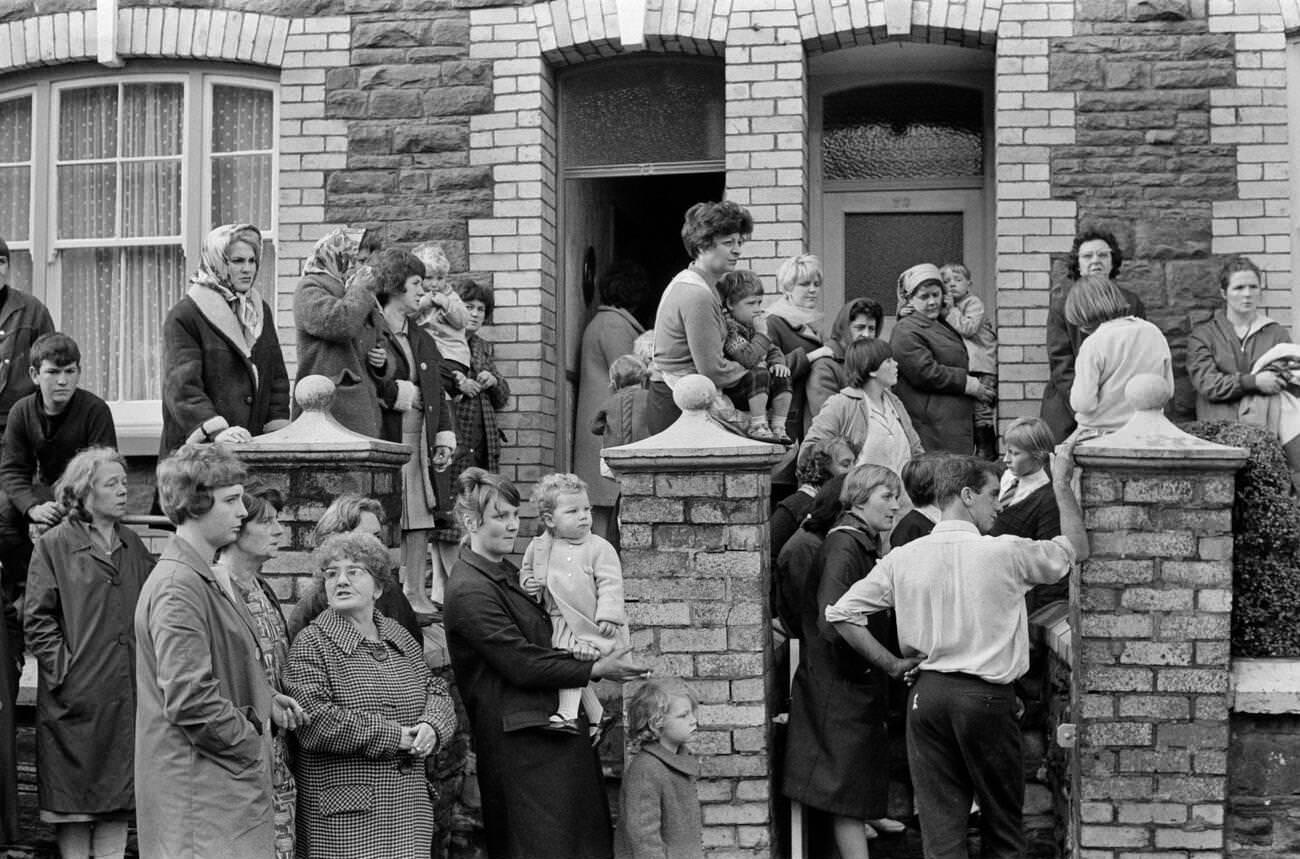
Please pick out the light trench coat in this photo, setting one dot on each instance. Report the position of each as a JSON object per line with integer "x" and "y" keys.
{"x": 203, "y": 718}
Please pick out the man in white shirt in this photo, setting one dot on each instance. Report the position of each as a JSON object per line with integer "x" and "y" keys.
{"x": 959, "y": 598}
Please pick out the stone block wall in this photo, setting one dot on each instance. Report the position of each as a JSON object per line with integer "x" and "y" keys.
{"x": 695, "y": 569}
{"x": 1264, "y": 809}
{"x": 1152, "y": 674}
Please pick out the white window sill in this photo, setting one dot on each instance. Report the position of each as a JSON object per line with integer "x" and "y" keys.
{"x": 139, "y": 426}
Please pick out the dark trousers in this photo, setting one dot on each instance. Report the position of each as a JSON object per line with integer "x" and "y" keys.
{"x": 660, "y": 409}
{"x": 15, "y": 558}
{"x": 963, "y": 743}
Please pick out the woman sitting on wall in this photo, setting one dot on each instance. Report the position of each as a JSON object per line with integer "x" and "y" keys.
{"x": 690, "y": 327}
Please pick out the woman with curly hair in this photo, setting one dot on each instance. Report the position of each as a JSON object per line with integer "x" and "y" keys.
{"x": 690, "y": 327}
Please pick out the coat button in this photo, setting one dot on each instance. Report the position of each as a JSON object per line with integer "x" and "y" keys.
{"x": 121, "y": 639}
{"x": 248, "y": 400}
{"x": 423, "y": 366}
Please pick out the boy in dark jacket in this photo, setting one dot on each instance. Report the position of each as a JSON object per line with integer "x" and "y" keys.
{"x": 45, "y": 430}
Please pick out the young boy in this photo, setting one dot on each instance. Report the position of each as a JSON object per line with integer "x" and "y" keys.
{"x": 45, "y": 430}
{"x": 747, "y": 344}
{"x": 967, "y": 316}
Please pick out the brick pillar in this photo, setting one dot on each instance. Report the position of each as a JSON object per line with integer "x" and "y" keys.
{"x": 694, "y": 517}
{"x": 1152, "y": 620}
{"x": 313, "y": 461}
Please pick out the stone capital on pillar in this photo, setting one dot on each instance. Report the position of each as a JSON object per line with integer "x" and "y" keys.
{"x": 693, "y": 520}
{"x": 312, "y": 462}
{"x": 1152, "y": 622}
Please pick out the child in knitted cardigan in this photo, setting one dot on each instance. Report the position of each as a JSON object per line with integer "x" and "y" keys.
{"x": 443, "y": 314}
{"x": 767, "y": 384}
{"x": 578, "y": 577}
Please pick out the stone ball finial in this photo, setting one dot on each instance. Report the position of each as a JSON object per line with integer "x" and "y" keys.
{"x": 1147, "y": 392}
{"x": 314, "y": 393}
{"x": 694, "y": 393}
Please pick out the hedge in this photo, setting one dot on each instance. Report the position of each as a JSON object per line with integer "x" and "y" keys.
{"x": 1266, "y": 545}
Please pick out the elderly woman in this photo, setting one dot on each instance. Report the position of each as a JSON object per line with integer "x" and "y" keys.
{"x": 415, "y": 412}
{"x": 690, "y": 326}
{"x": 347, "y": 514}
{"x": 339, "y": 325}
{"x": 204, "y": 708}
{"x": 543, "y": 793}
{"x": 223, "y": 372}
{"x": 837, "y": 758}
{"x": 85, "y": 578}
{"x": 935, "y": 384}
{"x": 1222, "y": 353}
{"x": 609, "y": 335}
{"x": 242, "y": 560}
{"x": 375, "y": 713}
{"x": 860, "y": 319}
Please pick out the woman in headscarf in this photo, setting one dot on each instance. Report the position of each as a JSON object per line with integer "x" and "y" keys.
{"x": 339, "y": 324}
{"x": 934, "y": 380}
{"x": 224, "y": 376}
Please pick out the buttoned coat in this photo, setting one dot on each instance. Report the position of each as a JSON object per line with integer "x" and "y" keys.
{"x": 932, "y": 370}
{"x": 359, "y": 794}
{"x": 337, "y": 326}
{"x": 543, "y": 794}
{"x": 23, "y": 319}
{"x": 203, "y": 711}
{"x": 209, "y": 371}
{"x": 609, "y": 335}
{"x": 78, "y": 617}
{"x": 660, "y": 816}
{"x": 427, "y": 377}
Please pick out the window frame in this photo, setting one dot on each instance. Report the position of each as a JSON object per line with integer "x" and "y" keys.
{"x": 138, "y": 422}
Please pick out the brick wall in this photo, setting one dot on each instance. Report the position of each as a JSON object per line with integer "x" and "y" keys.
{"x": 1154, "y": 610}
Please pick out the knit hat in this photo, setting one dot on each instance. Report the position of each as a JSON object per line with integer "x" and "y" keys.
{"x": 914, "y": 278}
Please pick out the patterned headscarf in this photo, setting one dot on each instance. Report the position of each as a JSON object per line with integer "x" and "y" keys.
{"x": 214, "y": 273}
{"x": 335, "y": 254}
{"x": 914, "y": 278}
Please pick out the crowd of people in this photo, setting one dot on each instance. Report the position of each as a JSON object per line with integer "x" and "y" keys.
{"x": 173, "y": 691}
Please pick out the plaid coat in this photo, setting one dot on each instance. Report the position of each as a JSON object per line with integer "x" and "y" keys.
{"x": 358, "y": 795}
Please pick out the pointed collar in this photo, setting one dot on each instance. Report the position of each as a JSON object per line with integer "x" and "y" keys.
{"x": 683, "y": 763}
{"x": 502, "y": 572}
{"x": 344, "y": 633}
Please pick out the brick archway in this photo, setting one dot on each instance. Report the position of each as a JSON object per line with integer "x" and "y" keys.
{"x": 172, "y": 33}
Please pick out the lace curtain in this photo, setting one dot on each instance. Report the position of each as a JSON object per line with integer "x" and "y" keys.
{"x": 16, "y": 184}
{"x": 120, "y": 178}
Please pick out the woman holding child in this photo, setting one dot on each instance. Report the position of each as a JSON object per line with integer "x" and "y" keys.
{"x": 543, "y": 794}
{"x": 935, "y": 383}
{"x": 690, "y": 327}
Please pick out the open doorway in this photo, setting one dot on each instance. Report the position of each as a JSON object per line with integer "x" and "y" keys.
{"x": 622, "y": 218}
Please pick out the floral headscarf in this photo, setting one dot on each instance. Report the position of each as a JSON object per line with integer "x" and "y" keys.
{"x": 335, "y": 254}
{"x": 911, "y": 281}
{"x": 214, "y": 273}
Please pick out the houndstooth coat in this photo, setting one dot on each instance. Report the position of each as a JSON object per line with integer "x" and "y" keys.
{"x": 358, "y": 795}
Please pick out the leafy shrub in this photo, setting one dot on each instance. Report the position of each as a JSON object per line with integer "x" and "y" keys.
{"x": 1266, "y": 544}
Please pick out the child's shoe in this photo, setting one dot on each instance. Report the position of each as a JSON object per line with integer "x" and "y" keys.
{"x": 561, "y": 725}
{"x": 759, "y": 429}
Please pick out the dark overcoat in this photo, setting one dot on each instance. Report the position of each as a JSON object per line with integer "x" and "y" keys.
{"x": 337, "y": 326}
{"x": 78, "y": 618}
{"x": 23, "y": 320}
{"x": 836, "y": 759}
{"x": 209, "y": 372}
{"x": 202, "y": 720}
{"x": 11, "y": 650}
{"x": 543, "y": 794}
{"x": 359, "y": 793}
{"x": 932, "y": 371}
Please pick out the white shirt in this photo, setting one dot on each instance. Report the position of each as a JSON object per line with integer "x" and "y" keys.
{"x": 959, "y": 597}
{"x": 1025, "y": 487}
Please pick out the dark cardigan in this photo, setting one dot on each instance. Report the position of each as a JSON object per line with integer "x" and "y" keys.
{"x": 1035, "y": 518}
